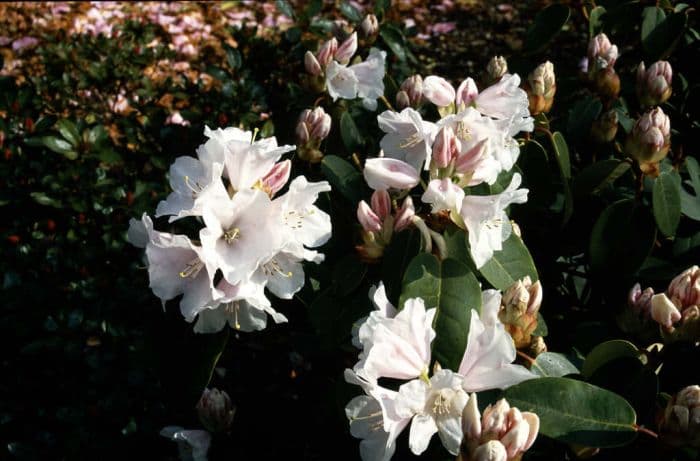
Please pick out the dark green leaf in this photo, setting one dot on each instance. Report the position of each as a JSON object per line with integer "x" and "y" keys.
{"x": 595, "y": 21}
{"x": 621, "y": 238}
{"x": 43, "y": 199}
{"x": 690, "y": 203}
{"x": 348, "y": 274}
{"x": 666, "y": 202}
{"x": 581, "y": 116}
{"x": 394, "y": 40}
{"x": 510, "y": 264}
{"x": 350, "y": 12}
{"x": 285, "y": 8}
{"x": 449, "y": 286}
{"x": 548, "y": 23}
{"x": 541, "y": 328}
{"x": 576, "y": 412}
{"x": 380, "y": 7}
{"x": 60, "y": 146}
{"x": 661, "y": 40}
{"x": 343, "y": 177}
{"x": 605, "y": 352}
{"x": 352, "y": 139}
{"x": 553, "y": 364}
{"x": 595, "y": 177}
{"x": 69, "y": 131}
{"x": 402, "y": 249}
{"x": 233, "y": 57}
{"x": 652, "y": 16}
{"x": 561, "y": 150}
{"x": 313, "y": 8}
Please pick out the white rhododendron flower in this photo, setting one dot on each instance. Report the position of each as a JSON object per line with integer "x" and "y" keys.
{"x": 363, "y": 80}
{"x": 408, "y": 137}
{"x": 384, "y": 173}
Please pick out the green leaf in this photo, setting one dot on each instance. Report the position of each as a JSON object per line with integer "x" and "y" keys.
{"x": 233, "y": 57}
{"x": 548, "y": 23}
{"x": 343, "y": 177}
{"x": 541, "y": 328}
{"x": 595, "y": 21}
{"x": 60, "y": 146}
{"x": 690, "y": 203}
{"x": 581, "y": 116}
{"x": 352, "y": 139}
{"x": 553, "y": 364}
{"x": 403, "y": 248}
{"x": 97, "y": 135}
{"x": 69, "y": 131}
{"x": 348, "y": 274}
{"x": 285, "y": 8}
{"x": 606, "y": 352}
{"x": 663, "y": 37}
{"x": 594, "y": 178}
{"x": 666, "y": 201}
{"x": 380, "y": 7}
{"x": 457, "y": 245}
{"x": 350, "y": 12}
{"x": 313, "y": 8}
{"x": 394, "y": 40}
{"x": 561, "y": 149}
{"x": 621, "y": 239}
{"x": 652, "y": 16}
{"x": 510, "y": 264}
{"x": 576, "y": 412}
{"x": 43, "y": 199}
{"x": 449, "y": 286}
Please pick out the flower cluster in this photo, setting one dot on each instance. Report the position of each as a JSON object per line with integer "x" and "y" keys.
{"x": 397, "y": 344}
{"x": 471, "y": 144}
{"x": 253, "y": 237}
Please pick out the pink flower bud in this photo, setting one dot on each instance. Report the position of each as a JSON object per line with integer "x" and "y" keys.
{"x": 413, "y": 86}
{"x": 640, "y": 301}
{"x": 470, "y": 160}
{"x": 681, "y": 420}
{"x": 494, "y": 422}
{"x": 684, "y": 289}
{"x": 404, "y": 215}
{"x": 302, "y": 130}
{"x": 601, "y": 53}
{"x": 466, "y": 93}
{"x": 313, "y": 125}
{"x": 471, "y": 419}
{"x": 541, "y": 86}
{"x": 311, "y": 64}
{"x": 438, "y": 91}
{"x": 389, "y": 173}
{"x": 347, "y": 49}
{"x": 402, "y": 100}
{"x": 381, "y": 204}
{"x": 327, "y": 51}
{"x": 369, "y": 26}
{"x": 493, "y": 450}
{"x": 650, "y": 138}
{"x": 368, "y": 219}
{"x": 496, "y": 68}
{"x": 446, "y": 147}
{"x": 215, "y": 410}
{"x": 277, "y": 177}
{"x": 654, "y": 85}
{"x": 663, "y": 311}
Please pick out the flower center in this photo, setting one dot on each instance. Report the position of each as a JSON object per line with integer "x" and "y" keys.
{"x": 463, "y": 132}
{"x": 411, "y": 141}
{"x": 192, "y": 268}
{"x": 232, "y": 235}
{"x": 441, "y": 403}
{"x": 194, "y": 186}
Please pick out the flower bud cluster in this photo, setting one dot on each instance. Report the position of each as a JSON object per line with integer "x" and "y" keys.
{"x": 519, "y": 308}
{"x": 601, "y": 61}
{"x": 654, "y": 84}
{"x": 496, "y": 69}
{"x": 541, "y": 86}
{"x": 312, "y": 127}
{"x": 502, "y": 433}
{"x": 411, "y": 93}
{"x": 379, "y": 223}
{"x": 680, "y": 424}
{"x": 254, "y": 237}
{"x": 650, "y": 140}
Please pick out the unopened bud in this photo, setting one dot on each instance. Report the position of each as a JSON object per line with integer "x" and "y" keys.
{"x": 277, "y": 177}
{"x": 681, "y": 421}
{"x": 402, "y": 100}
{"x": 347, "y": 49}
{"x": 446, "y": 147}
{"x": 541, "y": 88}
{"x": 381, "y": 204}
{"x": 313, "y": 125}
{"x": 413, "y": 87}
{"x": 519, "y": 307}
{"x": 604, "y": 129}
{"x": 654, "y": 84}
{"x": 404, "y": 215}
{"x": 466, "y": 93}
{"x": 438, "y": 91}
{"x": 311, "y": 64}
{"x": 601, "y": 54}
{"x": 607, "y": 83}
{"x": 495, "y": 69}
{"x": 650, "y": 139}
{"x": 389, "y": 173}
{"x": 684, "y": 289}
{"x": 663, "y": 311}
{"x": 368, "y": 219}
{"x": 302, "y": 131}
{"x": 327, "y": 51}
{"x": 640, "y": 301}
{"x": 215, "y": 410}
{"x": 537, "y": 346}
{"x": 369, "y": 26}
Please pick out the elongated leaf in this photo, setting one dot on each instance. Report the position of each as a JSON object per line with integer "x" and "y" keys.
{"x": 581, "y": 117}
{"x": 561, "y": 150}
{"x": 652, "y": 16}
{"x": 594, "y": 178}
{"x": 350, "y": 12}
{"x": 449, "y": 286}
{"x": 403, "y": 248}
{"x": 69, "y": 131}
{"x": 548, "y": 23}
{"x": 621, "y": 238}
{"x": 605, "y": 352}
{"x": 394, "y": 40}
{"x": 510, "y": 264}
{"x": 690, "y": 203}
{"x": 343, "y": 177}
{"x": 666, "y": 202}
{"x": 352, "y": 139}
{"x": 596, "y": 21}
{"x": 661, "y": 40}
{"x": 60, "y": 146}
{"x": 348, "y": 274}
{"x": 285, "y": 8}
{"x": 576, "y": 412}
{"x": 553, "y": 364}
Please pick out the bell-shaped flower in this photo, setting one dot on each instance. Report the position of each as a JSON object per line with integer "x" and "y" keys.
{"x": 194, "y": 183}
{"x": 388, "y": 173}
{"x": 363, "y": 329}
{"x": 443, "y": 194}
{"x": 487, "y": 222}
{"x": 341, "y": 81}
{"x": 370, "y": 78}
{"x": 488, "y": 358}
{"x": 433, "y": 405}
{"x": 408, "y": 137}
{"x": 504, "y": 100}
{"x": 140, "y": 231}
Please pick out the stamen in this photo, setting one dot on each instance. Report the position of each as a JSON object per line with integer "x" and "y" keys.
{"x": 192, "y": 268}
{"x": 463, "y": 131}
{"x": 255, "y": 134}
{"x": 232, "y": 235}
{"x": 195, "y": 187}
{"x": 273, "y": 267}
{"x": 411, "y": 141}
{"x": 440, "y": 404}
{"x": 232, "y": 308}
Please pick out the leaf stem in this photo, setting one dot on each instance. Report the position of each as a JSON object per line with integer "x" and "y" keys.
{"x": 646, "y": 431}
{"x": 529, "y": 359}
{"x": 386, "y": 102}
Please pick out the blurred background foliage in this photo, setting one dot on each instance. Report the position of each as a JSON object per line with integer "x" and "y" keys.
{"x": 97, "y": 101}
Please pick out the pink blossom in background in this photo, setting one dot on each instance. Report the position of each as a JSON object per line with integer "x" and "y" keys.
{"x": 24, "y": 42}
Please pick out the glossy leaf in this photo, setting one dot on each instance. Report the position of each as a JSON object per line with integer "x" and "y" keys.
{"x": 394, "y": 40}
{"x": 690, "y": 203}
{"x": 660, "y": 39}
{"x": 548, "y": 23}
{"x": 343, "y": 177}
{"x": 60, "y": 146}
{"x": 403, "y": 248}
{"x": 453, "y": 289}
{"x": 350, "y": 12}
{"x": 553, "y": 364}
{"x": 576, "y": 412}
{"x": 510, "y": 264}
{"x": 285, "y": 8}
{"x": 594, "y": 178}
{"x": 352, "y": 139}
{"x": 69, "y": 131}
{"x": 595, "y": 21}
{"x": 605, "y": 352}
{"x": 666, "y": 202}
